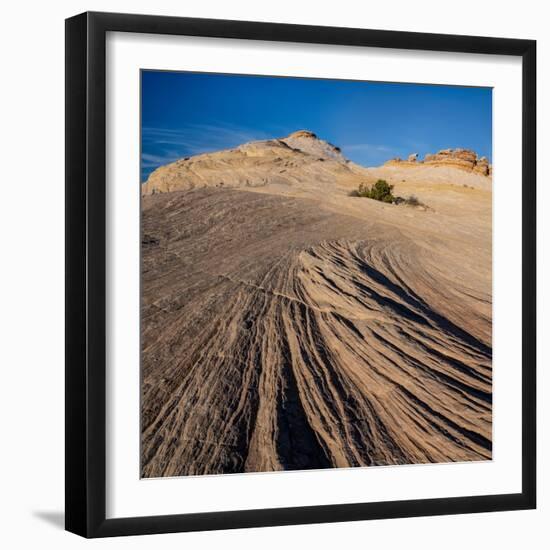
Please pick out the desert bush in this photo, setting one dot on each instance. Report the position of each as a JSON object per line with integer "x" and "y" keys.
{"x": 363, "y": 191}
{"x": 380, "y": 191}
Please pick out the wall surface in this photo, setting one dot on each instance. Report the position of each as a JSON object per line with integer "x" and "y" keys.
{"x": 31, "y": 279}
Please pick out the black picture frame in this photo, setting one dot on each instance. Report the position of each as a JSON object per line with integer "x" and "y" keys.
{"x": 86, "y": 284}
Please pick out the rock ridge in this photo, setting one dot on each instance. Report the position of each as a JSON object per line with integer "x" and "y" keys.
{"x": 464, "y": 159}
{"x": 300, "y": 156}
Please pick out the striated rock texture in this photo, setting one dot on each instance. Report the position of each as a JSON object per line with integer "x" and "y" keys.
{"x": 464, "y": 159}
{"x": 294, "y": 327}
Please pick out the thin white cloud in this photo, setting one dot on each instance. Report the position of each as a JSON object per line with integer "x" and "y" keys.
{"x": 197, "y": 138}
{"x": 162, "y": 145}
{"x": 146, "y": 158}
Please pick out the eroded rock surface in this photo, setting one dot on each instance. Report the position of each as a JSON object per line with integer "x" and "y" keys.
{"x": 287, "y": 325}
{"x": 299, "y": 157}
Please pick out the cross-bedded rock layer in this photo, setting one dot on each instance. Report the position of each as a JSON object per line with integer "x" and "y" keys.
{"x": 286, "y": 331}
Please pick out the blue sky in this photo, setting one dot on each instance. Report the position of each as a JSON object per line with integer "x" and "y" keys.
{"x": 185, "y": 114}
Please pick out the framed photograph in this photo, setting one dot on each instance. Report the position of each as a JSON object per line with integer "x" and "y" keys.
{"x": 300, "y": 274}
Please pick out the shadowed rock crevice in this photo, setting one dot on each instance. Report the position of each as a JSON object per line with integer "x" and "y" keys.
{"x": 296, "y": 441}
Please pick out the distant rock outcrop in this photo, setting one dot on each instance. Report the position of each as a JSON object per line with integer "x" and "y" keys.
{"x": 464, "y": 159}
{"x": 483, "y": 167}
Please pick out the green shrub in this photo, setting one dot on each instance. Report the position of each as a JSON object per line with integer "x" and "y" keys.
{"x": 380, "y": 191}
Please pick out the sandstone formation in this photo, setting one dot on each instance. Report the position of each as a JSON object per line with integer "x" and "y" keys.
{"x": 465, "y": 159}
{"x": 482, "y": 166}
{"x": 287, "y": 325}
{"x": 286, "y": 161}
